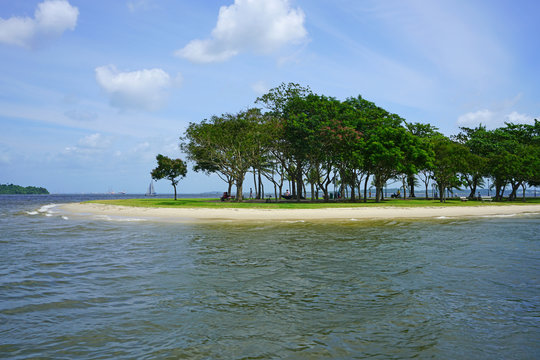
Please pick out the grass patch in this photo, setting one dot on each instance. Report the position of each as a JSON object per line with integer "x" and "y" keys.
{"x": 216, "y": 203}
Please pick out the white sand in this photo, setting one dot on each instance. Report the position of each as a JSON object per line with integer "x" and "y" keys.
{"x": 357, "y": 213}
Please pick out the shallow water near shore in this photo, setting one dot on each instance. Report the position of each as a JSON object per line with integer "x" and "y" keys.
{"x": 100, "y": 288}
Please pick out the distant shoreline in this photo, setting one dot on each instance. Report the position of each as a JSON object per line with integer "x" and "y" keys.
{"x": 11, "y": 189}
{"x": 322, "y": 214}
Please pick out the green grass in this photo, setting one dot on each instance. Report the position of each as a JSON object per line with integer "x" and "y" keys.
{"x": 216, "y": 203}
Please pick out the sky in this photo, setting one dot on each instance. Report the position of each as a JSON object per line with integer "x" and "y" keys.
{"x": 92, "y": 90}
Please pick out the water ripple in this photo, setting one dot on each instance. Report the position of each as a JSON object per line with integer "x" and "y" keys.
{"x": 383, "y": 290}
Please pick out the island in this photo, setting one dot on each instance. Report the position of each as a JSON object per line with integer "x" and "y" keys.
{"x": 21, "y": 190}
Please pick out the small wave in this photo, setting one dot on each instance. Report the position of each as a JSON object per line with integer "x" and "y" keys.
{"x": 46, "y": 208}
{"x": 110, "y": 218}
{"x": 32, "y": 212}
{"x": 127, "y": 219}
{"x": 499, "y": 216}
{"x": 442, "y": 217}
{"x": 65, "y": 218}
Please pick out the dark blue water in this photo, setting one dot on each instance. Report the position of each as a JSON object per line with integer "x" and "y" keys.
{"x": 88, "y": 288}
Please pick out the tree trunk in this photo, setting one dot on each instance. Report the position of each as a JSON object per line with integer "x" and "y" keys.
{"x": 255, "y": 182}
{"x": 260, "y": 193}
{"x": 174, "y": 186}
{"x": 239, "y": 190}
{"x": 365, "y": 187}
{"x": 473, "y": 190}
{"x": 326, "y": 198}
{"x": 410, "y": 180}
{"x": 299, "y": 182}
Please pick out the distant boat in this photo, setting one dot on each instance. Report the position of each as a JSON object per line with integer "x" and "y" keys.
{"x": 151, "y": 191}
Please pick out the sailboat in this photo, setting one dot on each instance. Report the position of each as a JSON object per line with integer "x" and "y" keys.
{"x": 151, "y": 191}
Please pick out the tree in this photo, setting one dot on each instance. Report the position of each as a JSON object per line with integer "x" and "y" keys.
{"x": 228, "y": 145}
{"x": 447, "y": 164}
{"x": 170, "y": 169}
{"x": 289, "y": 106}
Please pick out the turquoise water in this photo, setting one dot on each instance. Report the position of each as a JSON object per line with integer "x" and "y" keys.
{"x": 92, "y": 288}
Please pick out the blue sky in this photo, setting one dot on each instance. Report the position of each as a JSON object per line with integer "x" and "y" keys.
{"x": 92, "y": 91}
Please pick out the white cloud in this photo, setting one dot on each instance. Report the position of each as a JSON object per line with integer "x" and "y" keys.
{"x": 248, "y": 25}
{"x": 493, "y": 119}
{"x": 260, "y": 87}
{"x": 94, "y": 141}
{"x": 472, "y": 119}
{"x": 143, "y": 89}
{"x": 135, "y": 5}
{"x": 455, "y": 37}
{"x": 517, "y": 118}
{"x": 51, "y": 19}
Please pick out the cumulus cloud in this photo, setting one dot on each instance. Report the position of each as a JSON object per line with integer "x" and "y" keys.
{"x": 517, "y": 118}
{"x": 477, "y": 117}
{"x": 51, "y": 19}
{"x": 142, "y": 89}
{"x": 493, "y": 119}
{"x": 248, "y": 25}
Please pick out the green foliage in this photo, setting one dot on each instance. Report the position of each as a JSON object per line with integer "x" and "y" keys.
{"x": 216, "y": 203}
{"x": 17, "y": 189}
{"x": 228, "y": 145}
{"x": 170, "y": 169}
{"x": 510, "y": 155}
{"x": 448, "y": 163}
{"x": 306, "y": 137}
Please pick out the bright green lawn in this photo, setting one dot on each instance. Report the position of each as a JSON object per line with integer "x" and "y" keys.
{"x": 216, "y": 203}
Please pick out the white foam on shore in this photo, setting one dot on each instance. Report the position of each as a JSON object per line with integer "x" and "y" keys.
{"x": 499, "y": 215}
{"x": 47, "y": 208}
{"x": 120, "y": 219}
{"x": 32, "y": 212}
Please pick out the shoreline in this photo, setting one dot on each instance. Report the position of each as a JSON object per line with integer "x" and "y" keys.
{"x": 324, "y": 214}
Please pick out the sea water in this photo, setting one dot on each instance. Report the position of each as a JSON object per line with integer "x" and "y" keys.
{"x": 97, "y": 287}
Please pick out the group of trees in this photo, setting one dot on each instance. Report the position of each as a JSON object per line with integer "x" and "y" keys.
{"x": 314, "y": 141}
{"x": 17, "y": 189}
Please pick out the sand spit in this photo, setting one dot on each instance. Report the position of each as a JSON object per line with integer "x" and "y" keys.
{"x": 356, "y": 213}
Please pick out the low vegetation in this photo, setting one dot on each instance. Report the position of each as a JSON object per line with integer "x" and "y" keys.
{"x": 216, "y": 203}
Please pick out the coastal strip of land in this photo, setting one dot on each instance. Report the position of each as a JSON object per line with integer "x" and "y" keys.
{"x": 320, "y": 214}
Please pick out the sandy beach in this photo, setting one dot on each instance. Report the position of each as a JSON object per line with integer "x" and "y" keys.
{"x": 228, "y": 214}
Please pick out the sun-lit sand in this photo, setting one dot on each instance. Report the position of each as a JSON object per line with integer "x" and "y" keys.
{"x": 357, "y": 213}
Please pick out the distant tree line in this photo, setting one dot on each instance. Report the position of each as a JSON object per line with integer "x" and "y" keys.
{"x": 16, "y": 189}
{"x": 313, "y": 141}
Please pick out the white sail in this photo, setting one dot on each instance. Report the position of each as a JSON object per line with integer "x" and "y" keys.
{"x": 151, "y": 191}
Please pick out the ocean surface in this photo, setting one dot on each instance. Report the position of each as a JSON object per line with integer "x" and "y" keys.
{"x": 101, "y": 288}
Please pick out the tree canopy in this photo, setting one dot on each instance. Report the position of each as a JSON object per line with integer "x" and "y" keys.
{"x": 170, "y": 169}
{"x": 314, "y": 140}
